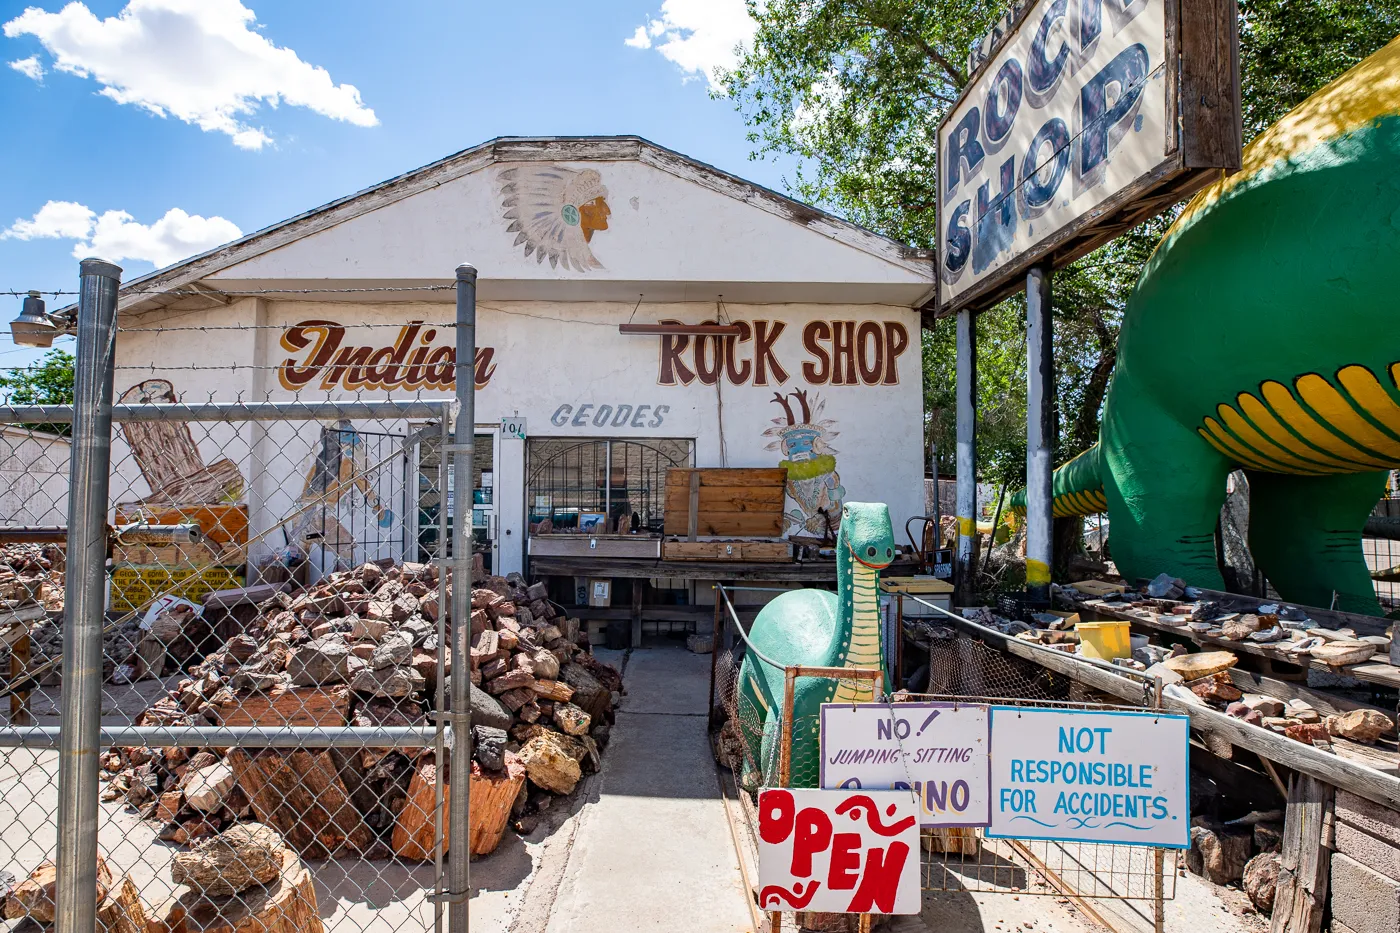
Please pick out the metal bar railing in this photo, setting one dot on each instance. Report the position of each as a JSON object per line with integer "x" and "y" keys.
{"x": 228, "y": 736}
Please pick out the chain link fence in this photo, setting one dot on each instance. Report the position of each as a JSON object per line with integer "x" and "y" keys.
{"x": 750, "y": 740}
{"x": 268, "y": 663}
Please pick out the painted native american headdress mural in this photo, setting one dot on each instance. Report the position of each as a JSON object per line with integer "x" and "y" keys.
{"x": 804, "y": 438}
{"x": 554, "y": 212}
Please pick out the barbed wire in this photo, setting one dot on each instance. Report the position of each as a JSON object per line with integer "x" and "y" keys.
{"x": 211, "y": 292}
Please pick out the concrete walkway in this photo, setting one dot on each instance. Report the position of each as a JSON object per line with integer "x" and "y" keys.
{"x": 652, "y": 849}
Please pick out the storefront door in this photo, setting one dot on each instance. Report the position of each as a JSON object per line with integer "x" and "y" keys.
{"x": 484, "y": 510}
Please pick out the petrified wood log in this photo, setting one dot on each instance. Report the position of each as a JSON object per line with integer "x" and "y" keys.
{"x": 286, "y": 905}
{"x": 300, "y": 794}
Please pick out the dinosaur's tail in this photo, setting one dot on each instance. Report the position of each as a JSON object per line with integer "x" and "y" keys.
{"x": 1078, "y": 488}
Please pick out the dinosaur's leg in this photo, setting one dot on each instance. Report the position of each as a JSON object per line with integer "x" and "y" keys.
{"x": 1305, "y": 534}
{"x": 1164, "y": 485}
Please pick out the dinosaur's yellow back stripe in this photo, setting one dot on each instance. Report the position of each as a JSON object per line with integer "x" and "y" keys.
{"x": 1315, "y": 428}
{"x": 1367, "y": 92}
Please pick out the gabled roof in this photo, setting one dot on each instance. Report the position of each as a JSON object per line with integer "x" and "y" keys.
{"x": 211, "y": 275}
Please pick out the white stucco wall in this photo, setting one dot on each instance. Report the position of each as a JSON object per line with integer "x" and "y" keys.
{"x": 544, "y": 356}
{"x": 33, "y": 477}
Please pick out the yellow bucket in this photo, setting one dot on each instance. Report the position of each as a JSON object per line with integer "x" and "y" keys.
{"x": 1105, "y": 640}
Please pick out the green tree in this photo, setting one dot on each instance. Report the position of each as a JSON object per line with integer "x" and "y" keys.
{"x": 47, "y": 382}
{"x": 855, "y": 89}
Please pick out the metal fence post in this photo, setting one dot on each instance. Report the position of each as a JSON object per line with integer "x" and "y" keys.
{"x": 459, "y": 802}
{"x": 89, "y": 477}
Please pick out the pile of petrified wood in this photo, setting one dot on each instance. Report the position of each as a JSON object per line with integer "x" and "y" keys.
{"x": 361, "y": 649}
{"x": 31, "y": 573}
{"x": 244, "y": 880}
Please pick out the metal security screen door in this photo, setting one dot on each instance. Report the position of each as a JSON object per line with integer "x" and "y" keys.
{"x": 590, "y": 486}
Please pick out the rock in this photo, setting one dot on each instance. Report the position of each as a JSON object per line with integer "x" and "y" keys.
{"x": 1260, "y": 879}
{"x": 1166, "y": 586}
{"x": 230, "y": 863}
{"x": 241, "y": 648}
{"x": 510, "y": 680}
{"x": 490, "y": 747}
{"x": 537, "y": 591}
{"x": 1309, "y": 715}
{"x": 1241, "y": 628}
{"x": 544, "y": 665}
{"x": 516, "y": 700}
{"x": 300, "y": 794}
{"x": 206, "y": 788}
{"x": 388, "y": 682}
{"x": 1307, "y": 732}
{"x": 287, "y": 905}
{"x": 123, "y": 910}
{"x": 1218, "y": 854}
{"x": 486, "y": 709}
{"x": 549, "y": 764}
{"x": 1216, "y": 688}
{"x": 167, "y": 805}
{"x": 1242, "y": 711}
{"x": 1344, "y": 652}
{"x": 34, "y": 896}
{"x": 1268, "y": 837}
{"x": 393, "y": 650}
{"x": 320, "y": 661}
{"x": 1201, "y": 664}
{"x": 1264, "y": 706}
{"x": 571, "y": 719}
{"x": 1265, "y": 635}
{"x": 1361, "y": 725}
{"x": 555, "y": 690}
{"x": 364, "y": 627}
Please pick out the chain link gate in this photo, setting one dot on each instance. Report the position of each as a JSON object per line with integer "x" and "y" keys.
{"x": 256, "y": 634}
{"x": 955, "y": 859}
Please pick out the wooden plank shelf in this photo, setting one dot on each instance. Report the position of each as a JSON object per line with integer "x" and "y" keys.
{"x": 1375, "y": 672}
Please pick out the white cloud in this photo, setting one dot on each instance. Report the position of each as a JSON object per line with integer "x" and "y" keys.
{"x": 116, "y": 235}
{"x": 198, "y": 60}
{"x": 30, "y": 67}
{"x": 56, "y": 219}
{"x": 700, "y": 36}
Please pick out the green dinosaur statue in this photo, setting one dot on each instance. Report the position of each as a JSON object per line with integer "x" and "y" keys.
{"x": 1262, "y": 335}
{"x": 817, "y": 628}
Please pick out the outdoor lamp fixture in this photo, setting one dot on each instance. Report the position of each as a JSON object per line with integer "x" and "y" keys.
{"x": 35, "y": 327}
{"x": 682, "y": 330}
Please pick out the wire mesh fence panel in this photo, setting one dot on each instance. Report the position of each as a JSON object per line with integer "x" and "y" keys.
{"x": 1380, "y": 543}
{"x": 274, "y": 653}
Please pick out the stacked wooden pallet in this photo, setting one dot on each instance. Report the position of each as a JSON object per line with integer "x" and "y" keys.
{"x": 725, "y": 503}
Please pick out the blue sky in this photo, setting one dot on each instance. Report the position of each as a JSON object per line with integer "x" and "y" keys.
{"x": 79, "y": 91}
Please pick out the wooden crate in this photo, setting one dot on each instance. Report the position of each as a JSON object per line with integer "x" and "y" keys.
{"x": 720, "y": 501}
{"x": 727, "y": 550}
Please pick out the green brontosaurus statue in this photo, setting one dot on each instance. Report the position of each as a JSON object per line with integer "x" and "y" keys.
{"x": 817, "y": 628}
{"x": 1264, "y": 334}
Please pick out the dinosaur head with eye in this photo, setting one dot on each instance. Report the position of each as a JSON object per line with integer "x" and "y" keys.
{"x": 866, "y": 533}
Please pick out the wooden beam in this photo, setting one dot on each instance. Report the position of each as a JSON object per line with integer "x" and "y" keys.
{"x": 1301, "y": 891}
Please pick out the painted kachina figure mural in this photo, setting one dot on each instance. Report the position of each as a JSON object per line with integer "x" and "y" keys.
{"x": 339, "y": 467}
{"x": 813, "y": 484}
{"x": 554, "y": 212}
